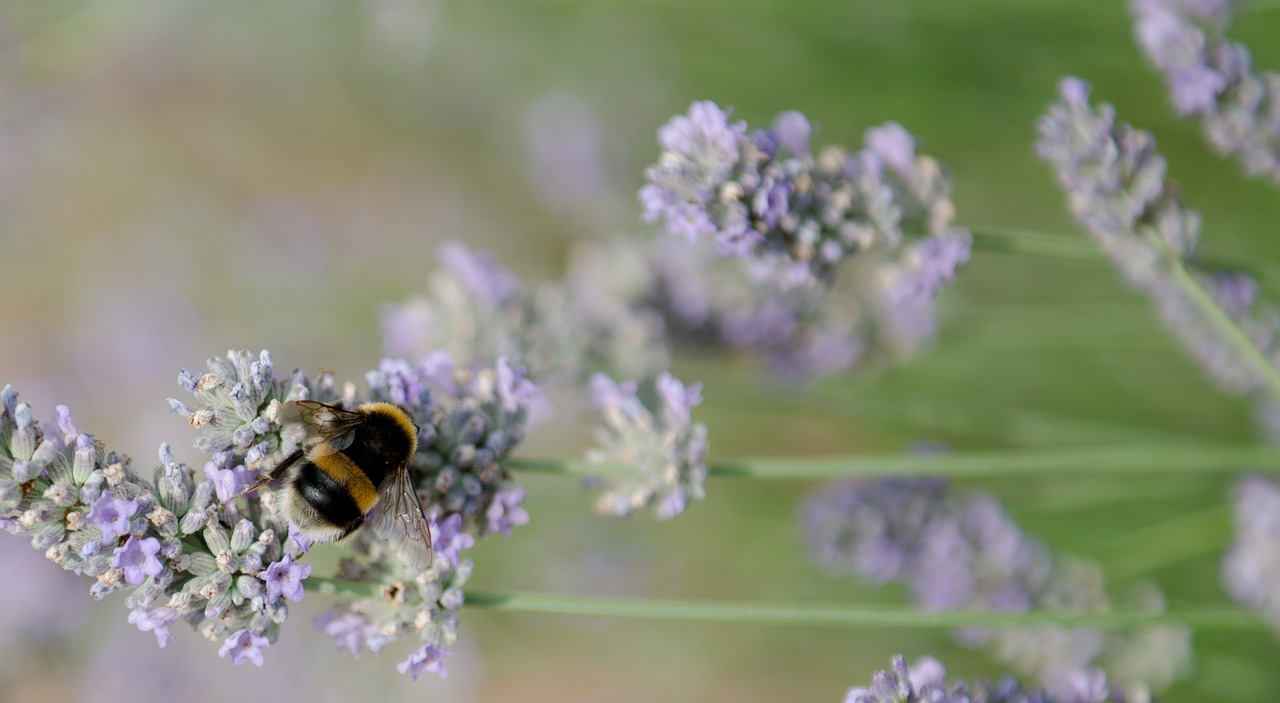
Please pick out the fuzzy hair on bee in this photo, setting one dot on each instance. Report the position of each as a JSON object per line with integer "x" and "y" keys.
{"x": 353, "y": 466}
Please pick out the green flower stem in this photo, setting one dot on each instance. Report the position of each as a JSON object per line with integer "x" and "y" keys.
{"x": 1216, "y": 316}
{"x": 1000, "y": 239}
{"x": 1008, "y": 240}
{"x": 1161, "y": 458}
{"x": 1011, "y": 240}
{"x": 844, "y": 615}
{"x": 809, "y": 614}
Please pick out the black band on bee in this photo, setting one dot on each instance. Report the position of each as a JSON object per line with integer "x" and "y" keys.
{"x": 327, "y": 496}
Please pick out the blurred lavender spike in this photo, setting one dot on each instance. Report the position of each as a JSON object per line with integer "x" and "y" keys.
{"x": 840, "y": 256}
{"x": 1115, "y": 184}
{"x": 923, "y": 682}
{"x": 957, "y": 553}
{"x": 1251, "y": 567}
{"x": 1211, "y": 78}
{"x": 664, "y": 446}
{"x": 561, "y": 332}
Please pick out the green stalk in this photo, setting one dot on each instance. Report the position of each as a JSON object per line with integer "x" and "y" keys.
{"x": 809, "y": 614}
{"x": 846, "y": 615}
{"x": 1215, "y": 315}
{"x": 1162, "y": 458}
{"x": 1008, "y": 240}
{"x": 1012, "y": 240}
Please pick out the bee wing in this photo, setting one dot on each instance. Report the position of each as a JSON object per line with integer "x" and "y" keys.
{"x": 330, "y": 428}
{"x": 401, "y": 521}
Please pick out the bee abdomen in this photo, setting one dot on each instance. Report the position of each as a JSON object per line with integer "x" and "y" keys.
{"x": 337, "y": 490}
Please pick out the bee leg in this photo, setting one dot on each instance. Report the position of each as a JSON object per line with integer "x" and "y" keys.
{"x": 270, "y": 475}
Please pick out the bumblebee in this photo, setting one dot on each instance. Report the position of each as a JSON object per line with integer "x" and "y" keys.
{"x": 353, "y": 465}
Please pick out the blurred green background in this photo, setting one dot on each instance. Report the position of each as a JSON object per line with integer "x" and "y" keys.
{"x": 178, "y": 179}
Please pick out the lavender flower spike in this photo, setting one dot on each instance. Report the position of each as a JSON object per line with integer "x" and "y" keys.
{"x": 1210, "y": 77}
{"x": 229, "y": 567}
{"x": 957, "y": 553}
{"x": 792, "y": 216}
{"x": 163, "y": 539}
{"x": 476, "y": 310}
{"x": 472, "y": 310}
{"x": 665, "y": 447}
{"x": 923, "y": 683}
{"x": 1115, "y": 184}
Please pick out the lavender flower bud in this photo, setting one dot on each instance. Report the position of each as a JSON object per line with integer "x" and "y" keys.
{"x": 26, "y": 434}
{"x": 87, "y": 458}
{"x": 215, "y": 535}
{"x": 24, "y": 471}
{"x": 243, "y": 536}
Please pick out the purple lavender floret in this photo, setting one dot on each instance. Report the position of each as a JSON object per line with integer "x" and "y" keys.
{"x": 427, "y": 658}
{"x": 228, "y": 481}
{"x": 960, "y": 553}
{"x": 1211, "y": 77}
{"x": 450, "y": 540}
{"x": 790, "y": 215}
{"x": 505, "y": 511}
{"x": 924, "y": 682}
{"x": 284, "y": 578}
{"x": 659, "y": 442}
{"x": 137, "y": 558}
{"x": 111, "y": 516}
{"x": 155, "y": 620}
{"x": 244, "y": 646}
{"x": 348, "y": 630}
{"x": 1115, "y": 184}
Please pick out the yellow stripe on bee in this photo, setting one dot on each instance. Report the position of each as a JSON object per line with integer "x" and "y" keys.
{"x": 400, "y": 417}
{"x": 340, "y": 468}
